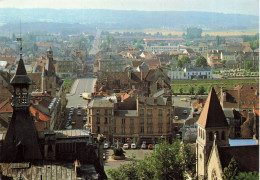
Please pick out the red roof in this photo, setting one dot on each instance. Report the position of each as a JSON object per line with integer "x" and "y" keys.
{"x": 257, "y": 112}
{"x": 42, "y": 116}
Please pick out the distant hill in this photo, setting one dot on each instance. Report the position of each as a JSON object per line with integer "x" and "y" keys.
{"x": 118, "y": 19}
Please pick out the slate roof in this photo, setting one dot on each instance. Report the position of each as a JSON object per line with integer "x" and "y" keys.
{"x": 212, "y": 114}
{"x": 247, "y": 157}
{"x": 206, "y": 68}
{"x": 21, "y": 76}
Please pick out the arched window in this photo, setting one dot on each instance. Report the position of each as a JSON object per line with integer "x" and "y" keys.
{"x": 214, "y": 175}
{"x": 210, "y": 136}
{"x": 223, "y": 135}
{"x": 217, "y": 135}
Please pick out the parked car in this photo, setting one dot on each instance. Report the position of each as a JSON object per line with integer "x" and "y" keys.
{"x": 126, "y": 146}
{"x": 85, "y": 113}
{"x": 106, "y": 146}
{"x": 133, "y": 146}
{"x": 78, "y": 106}
{"x": 79, "y": 113}
{"x": 112, "y": 146}
{"x": 150, "y": 146}
{"x": 72, "y": 108}
{"x": 84, "y": 118}
{"x": 185, "y": 111}
{"x": 143, "y": 146}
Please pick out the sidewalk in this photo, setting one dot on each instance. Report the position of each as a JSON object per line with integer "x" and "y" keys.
{"x": 74, "y": 88}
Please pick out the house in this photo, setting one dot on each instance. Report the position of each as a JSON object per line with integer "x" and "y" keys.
{"x": 141, "y": 119}
{"x": 189, "y": 52}
{"x": 198, "y": 72}
{"x": 242, "y": 97}
{"x": 176, "y": 74}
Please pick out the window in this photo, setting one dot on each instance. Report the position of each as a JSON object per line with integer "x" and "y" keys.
{"x": 168, "y": 112}
{"x": 141, "y": 129}
{"x": 105, "y": 129}
{"x": 141, "y": 112}
{"x": 160, "y": 112}
{"x": 105, "y": 121}
{"x": 123, "y": 121}
{"x": 142, "y": 121}
{"x": 149, "y": 120}
{"x": 115, "y": 130}
{"x": 123, "y": 130}
{"x": 106, "y": 112}
{"x": 251, "y": 102}
{"x": 150, "y": 129}
{"x": 214, "y": 175}
{"x": 98, "y": 111}
{"x": 98, "y": 120}
{"x": 98, "y": 129}
{"x": 210, "y": 136}
{"x": 149, "y": 112}
{"x": 160, "y": 129}
{"x": 243, "y": 102}
{"x": 223, "y": 135}
{"x": 199, "y": 133}
{"x": 217, "y": 135}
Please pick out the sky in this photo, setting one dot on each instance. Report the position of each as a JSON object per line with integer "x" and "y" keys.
{"x": 248, "y": 7}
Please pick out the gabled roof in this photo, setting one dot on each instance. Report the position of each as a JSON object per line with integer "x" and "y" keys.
{"x": 212, "y": 114}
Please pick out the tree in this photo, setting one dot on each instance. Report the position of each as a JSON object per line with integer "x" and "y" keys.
{"x": 185, "y": 60}
{"x": 140, "y": 47}
{"x": 191, "y": 90}
{"x": 201, "y": 90}
{"x": 179, "y": 64}
{"x": 181, "y": 90}
{"x": 201, "y": 61}
{"x": 167, "y": 161}
{"x": 248, "y": 176}
{"x": 231, "y": 171}
{"x": 91, "y": 38}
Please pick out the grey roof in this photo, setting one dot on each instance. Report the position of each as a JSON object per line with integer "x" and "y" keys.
{"x": 160, "y": 92}
{"x": 126, "y": 113}
{"x": 228, "y": 113}
{"x": 48, "y": 170}
{"x": 152, "y": 101}
{"x": 61, "y": 134}
{"x": 101, "y": 103}
{"x": 21, "y": 76}
{"x": 206, "y": 68}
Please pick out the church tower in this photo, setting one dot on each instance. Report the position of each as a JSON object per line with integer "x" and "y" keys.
{"x": 49, "y": 75}
{"x": 21, "y": 140}
{"x": 212, "y": 121}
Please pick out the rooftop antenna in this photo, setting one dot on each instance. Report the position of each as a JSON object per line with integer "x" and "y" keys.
{"x": 19, "y": 39}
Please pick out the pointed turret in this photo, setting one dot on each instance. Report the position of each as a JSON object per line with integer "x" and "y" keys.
{"x": 21, "y": 140}
{"x": 212, "y": 114}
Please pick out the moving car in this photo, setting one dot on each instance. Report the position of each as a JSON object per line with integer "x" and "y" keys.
{"x": 73, "y": 122}
{"x": 185, "y": 111}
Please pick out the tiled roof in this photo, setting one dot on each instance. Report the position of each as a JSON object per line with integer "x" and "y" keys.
{"x": 247, "y": 157}
{"x": 212, "y": 114}
{"x": 42, "y": 117}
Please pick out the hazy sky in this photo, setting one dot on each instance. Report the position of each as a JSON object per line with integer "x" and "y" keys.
{"x": 250, "y": 7}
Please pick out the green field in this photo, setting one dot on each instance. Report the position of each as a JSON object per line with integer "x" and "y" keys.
{"x": 67, "y": 84}
{"x": 207, "y": 84}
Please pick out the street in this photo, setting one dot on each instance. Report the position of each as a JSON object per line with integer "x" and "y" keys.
{"x": 85, "y": 85}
